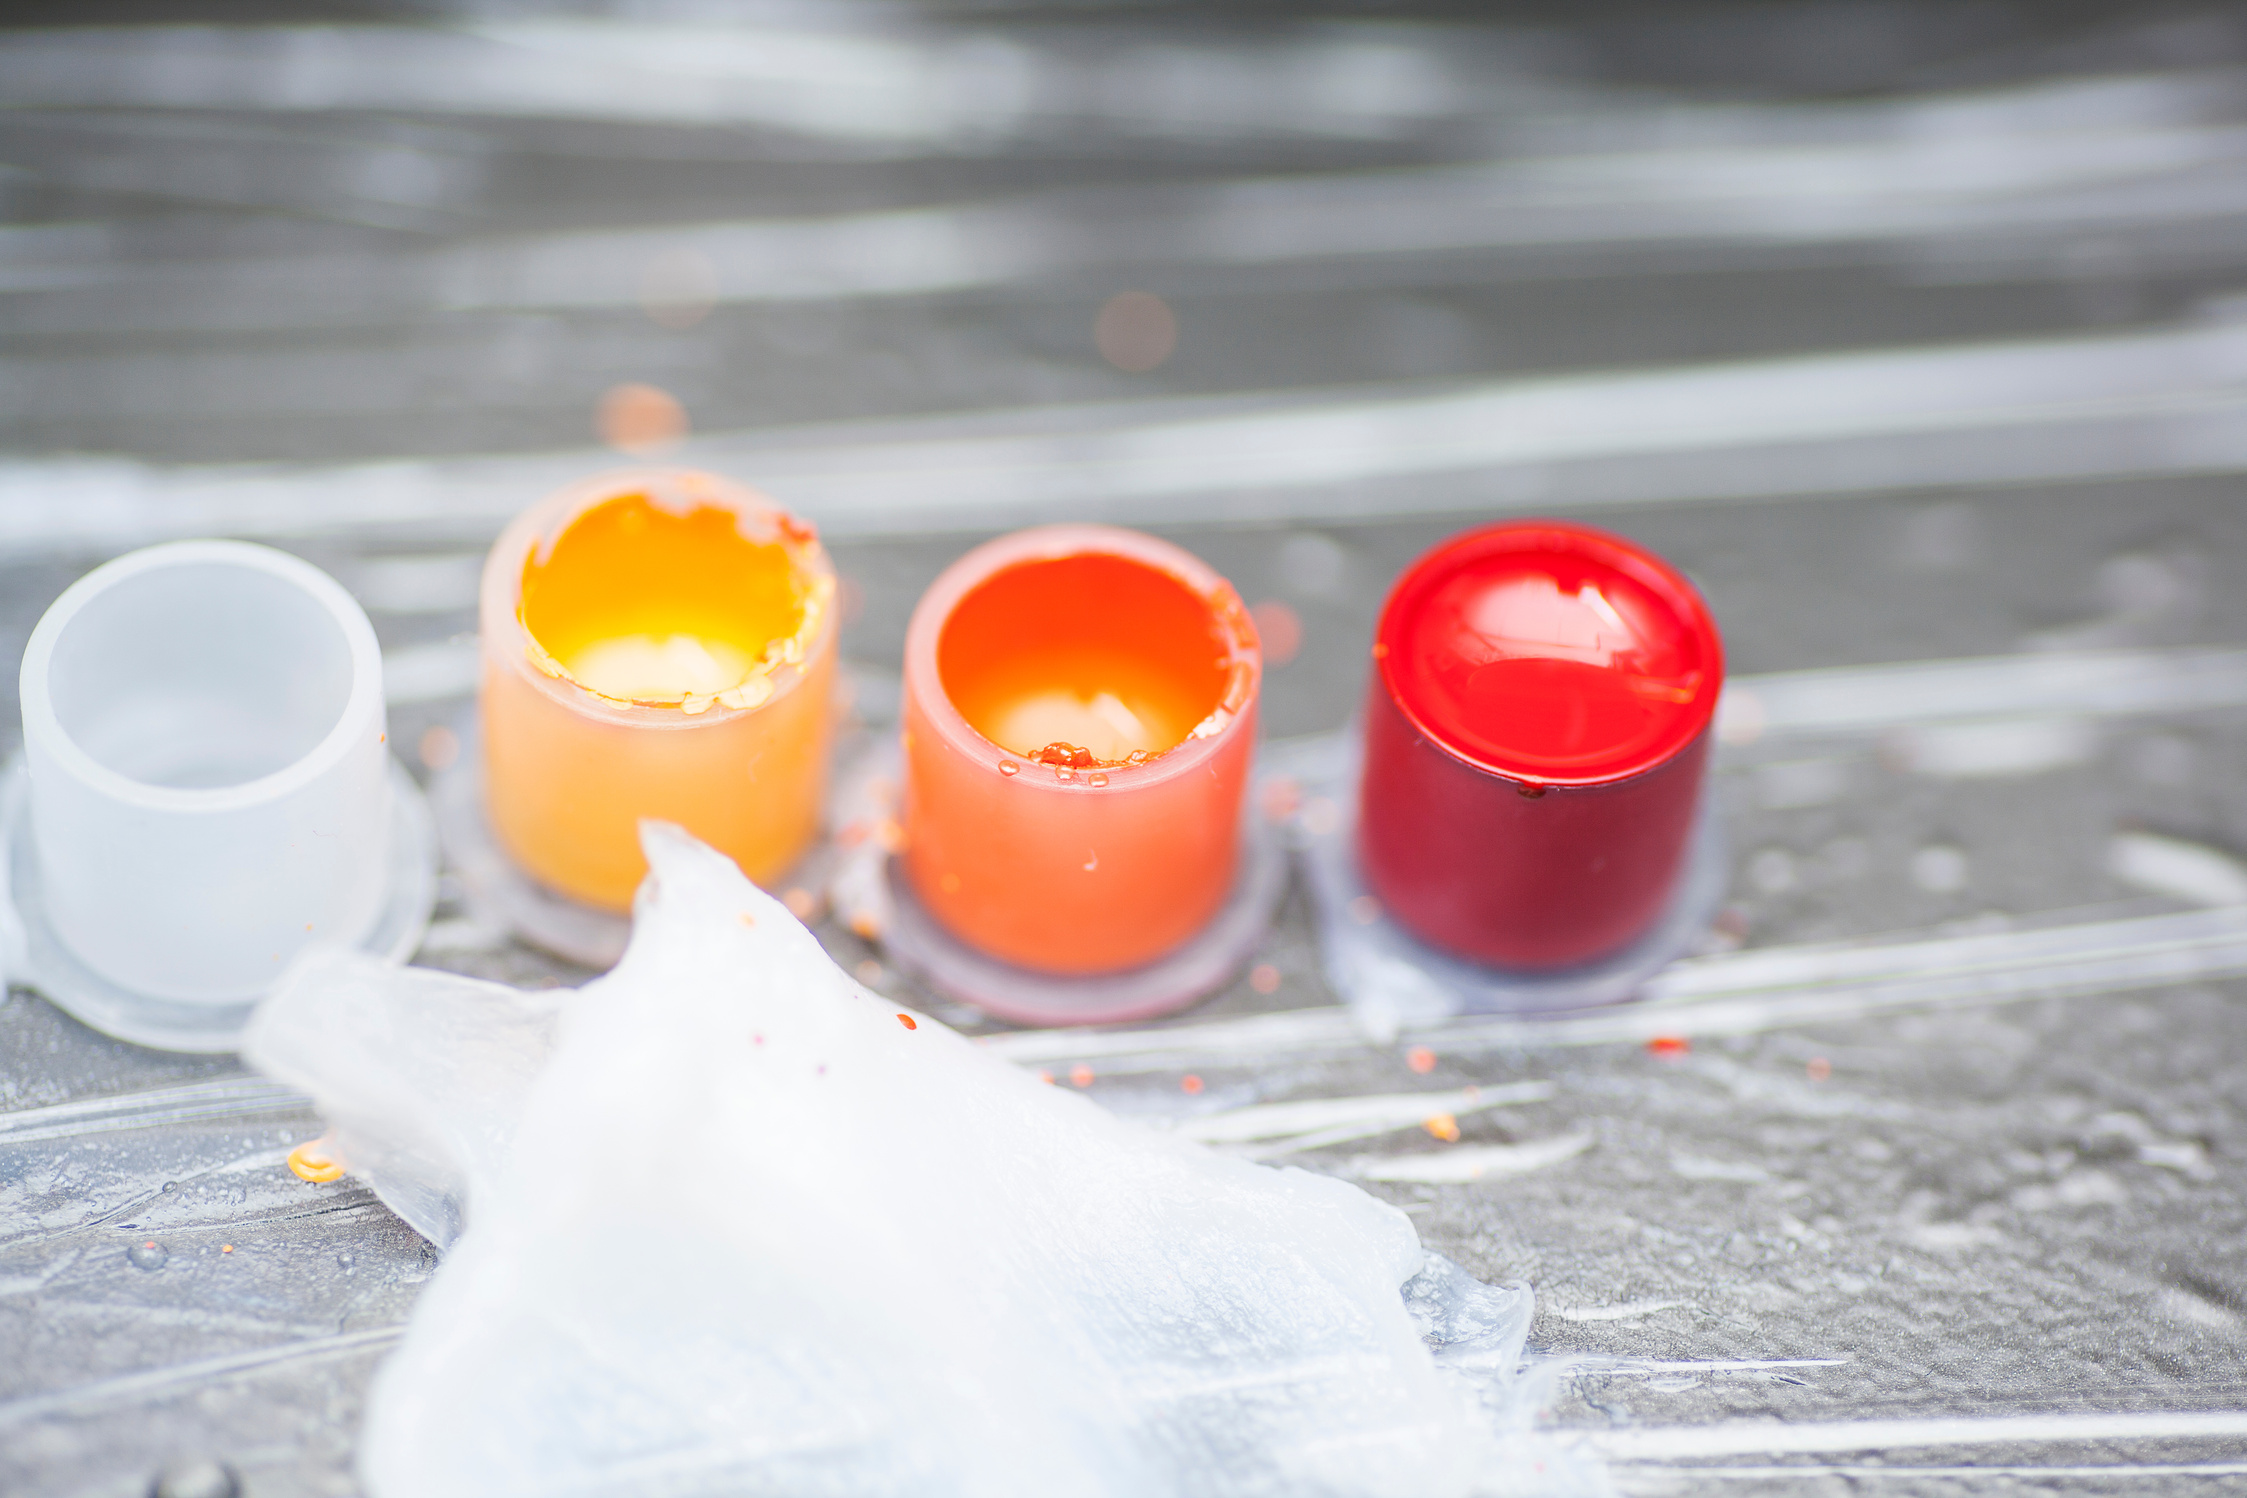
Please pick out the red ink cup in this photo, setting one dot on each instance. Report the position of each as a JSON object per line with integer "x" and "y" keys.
{"x": 1536, "y": 736}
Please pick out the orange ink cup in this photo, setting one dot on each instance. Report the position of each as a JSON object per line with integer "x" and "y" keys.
{"x": 1079, "y": 718}
{"x": 656, "y": 644}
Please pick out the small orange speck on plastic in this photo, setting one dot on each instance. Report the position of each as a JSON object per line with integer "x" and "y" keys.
{"x": 1045, "y": 1076}
{"x": 312, "y": 1162}
{"x": 863, "y": 925}
{"x": 747, "y": 919}
{"x": 1819, "y": 1068}
{"x": 1443, "y": 1126}
{"x": 908, "y": 1022}
{"x": 1264, "y": 978}
{"x": 1080, "y": 1075}
{"x": 440, "y": 747}
{"x": 1420, "y": 1059}
{"x": 226, "y": 1248}
{"x": 382, "y": 738}
{"x": 1669, "y": 1045}
{"x": 1280, "y": 629}
{"x": 1190, "y": 1084}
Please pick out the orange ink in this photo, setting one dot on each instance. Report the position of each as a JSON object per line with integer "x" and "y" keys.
{"x": 312, "y": 1162}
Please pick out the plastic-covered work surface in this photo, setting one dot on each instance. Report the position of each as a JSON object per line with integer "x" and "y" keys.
{"x": 1909, "y": 332}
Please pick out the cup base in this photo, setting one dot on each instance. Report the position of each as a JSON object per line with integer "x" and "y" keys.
{"x": 38, "y": 959}
{"x": 921, "y": 946}
{"x": 1390, "y": 978}
{"x": 500, "y": 893}
{"x": 870, "y": 893}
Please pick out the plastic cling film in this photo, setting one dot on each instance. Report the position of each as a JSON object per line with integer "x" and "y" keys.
{"x": 892, "y": 1263}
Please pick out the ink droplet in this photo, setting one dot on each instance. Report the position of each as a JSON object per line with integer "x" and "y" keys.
{"x": 907, "y": 1021}
{"x": 1009, "y": 767}
{"x": 1420, "y": 1059}
{"x": 1669, "y": 1045}
{"x": 1190, "y": 1085}
{"x": 149, "y": 1255}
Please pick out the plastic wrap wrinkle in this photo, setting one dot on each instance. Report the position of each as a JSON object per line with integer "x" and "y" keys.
{"x": 735, "y": 1229}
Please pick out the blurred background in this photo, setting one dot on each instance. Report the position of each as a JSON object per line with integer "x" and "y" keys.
{"x": 1915, "y": 332}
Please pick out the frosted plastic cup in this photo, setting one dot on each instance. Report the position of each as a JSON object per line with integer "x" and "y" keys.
{"x": 575, "y": 758}
{"x": 1536, "y": 739}
{"x": 1076, "y": 857}
{"x": 208, "y": 783}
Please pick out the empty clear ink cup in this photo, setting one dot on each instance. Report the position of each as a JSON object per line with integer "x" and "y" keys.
{"x": 205, "y": 792}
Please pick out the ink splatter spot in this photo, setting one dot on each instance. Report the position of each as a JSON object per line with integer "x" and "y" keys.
{"x": 1190, "y": 1085}
{"x": 1443, "y": 1126}
{"x": 1669, "y": 1045}
{"x": 312, "y": 1162}
{"x": 907, "y": 1021}
{"x": 1420, "y": 1059}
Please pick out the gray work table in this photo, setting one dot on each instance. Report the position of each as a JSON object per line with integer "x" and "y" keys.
{"x": 1911, "y": 332}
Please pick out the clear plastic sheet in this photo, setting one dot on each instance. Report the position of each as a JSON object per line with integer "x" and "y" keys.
{"x": 735, "y": 1224}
